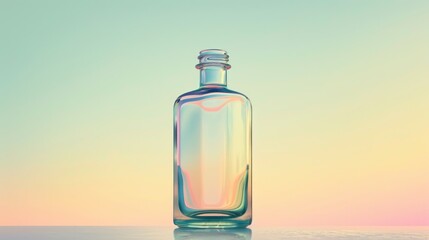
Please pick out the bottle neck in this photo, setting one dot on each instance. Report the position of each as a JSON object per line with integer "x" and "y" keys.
{"x": 213, "y": 76}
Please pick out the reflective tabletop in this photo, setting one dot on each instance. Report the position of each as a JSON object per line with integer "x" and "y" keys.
{"x": 172, "y": 233}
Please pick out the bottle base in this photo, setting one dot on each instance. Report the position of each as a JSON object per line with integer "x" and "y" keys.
{"x": 212, "y": 223}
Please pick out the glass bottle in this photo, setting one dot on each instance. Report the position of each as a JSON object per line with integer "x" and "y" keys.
{"x": 213, "y": 150}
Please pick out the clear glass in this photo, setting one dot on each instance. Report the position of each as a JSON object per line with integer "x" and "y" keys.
{"x": 212, "y": 151}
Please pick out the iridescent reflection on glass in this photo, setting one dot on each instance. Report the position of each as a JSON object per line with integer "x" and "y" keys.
{"x": 212, "y": 162}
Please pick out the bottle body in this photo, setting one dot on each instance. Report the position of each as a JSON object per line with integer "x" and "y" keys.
{"x": 212, "y": 159}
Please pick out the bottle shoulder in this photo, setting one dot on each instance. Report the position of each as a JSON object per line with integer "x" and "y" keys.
{"x": 210, "y": 93}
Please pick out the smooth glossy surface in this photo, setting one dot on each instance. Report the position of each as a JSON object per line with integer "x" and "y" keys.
{"x": 213, "y": 151}
{"x": 169, "y": 233}
{"x": 212, "y": 159}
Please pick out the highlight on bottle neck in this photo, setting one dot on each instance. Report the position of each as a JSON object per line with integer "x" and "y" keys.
{"x": 213, "y": 65}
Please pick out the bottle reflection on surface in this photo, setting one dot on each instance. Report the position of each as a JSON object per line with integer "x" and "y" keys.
{"x": 213, "y": 234}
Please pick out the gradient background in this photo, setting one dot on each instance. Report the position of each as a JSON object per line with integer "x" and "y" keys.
{"x": 340, "y": 91}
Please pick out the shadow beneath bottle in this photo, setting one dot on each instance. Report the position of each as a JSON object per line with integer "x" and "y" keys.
{"x": 213, "y": 234}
